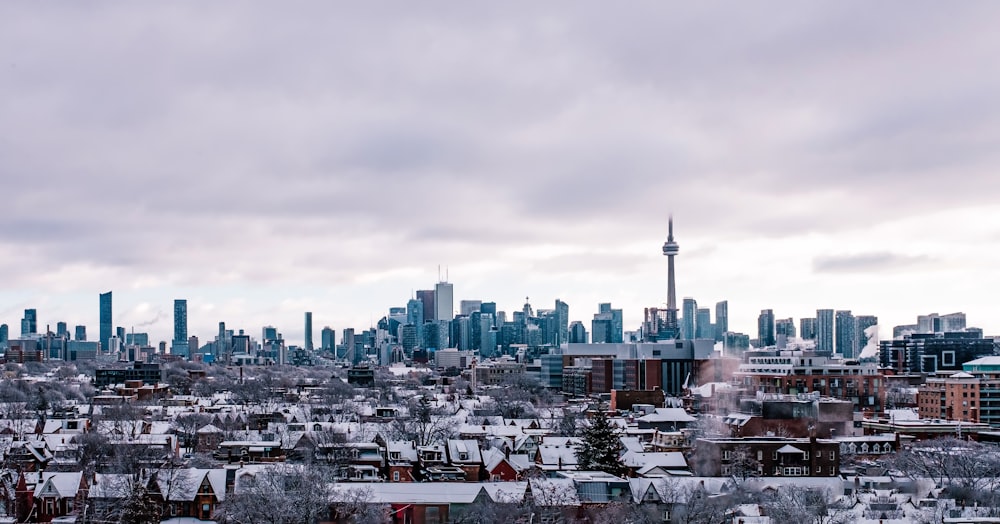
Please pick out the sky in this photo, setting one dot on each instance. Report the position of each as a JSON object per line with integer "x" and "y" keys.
{"x": 264, "y": 159}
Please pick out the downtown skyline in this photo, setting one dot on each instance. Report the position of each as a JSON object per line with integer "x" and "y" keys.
{"x": 261, "y": 162}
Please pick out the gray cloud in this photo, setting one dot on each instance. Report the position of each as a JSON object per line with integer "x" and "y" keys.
{"x": 868, "y": 262}
{"x": 193, "y": 143}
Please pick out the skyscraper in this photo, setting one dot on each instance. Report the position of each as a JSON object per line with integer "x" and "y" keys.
{"x": 846, "y": 337}
{"x": 328, "y": 337}
{"x": 4, "y": 333}
{"x": 415, "y": 312}
{"x": 689, "y": 320}
{"x": 309, "y": 331}
{"x": 824, "y": 330}
{"x": 29, "y": 324}
{"x": 786, "y": 327}
{"x": 807, "y": 328}
{"x": 862, "y": 323}
{"x": 562, "y": 316}
{"x": 179, "y": 346}
{"x": 468, "y": 307}
{"x": 444, "y": 301}
{"x": 426, "y": 297}
{"x": 721, "y": 320}
{"x": 765, "y": 328}
{"x": 62, "y": 330}
{"x": 670, "y": 250}
{"x": 105, "y": 329}
{"x": 703, "y": 324}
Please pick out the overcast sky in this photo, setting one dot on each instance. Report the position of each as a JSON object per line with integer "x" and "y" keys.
{"x": 262, "y": 159}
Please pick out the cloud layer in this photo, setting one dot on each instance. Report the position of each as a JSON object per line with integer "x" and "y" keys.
{"x": 261, "y": 157}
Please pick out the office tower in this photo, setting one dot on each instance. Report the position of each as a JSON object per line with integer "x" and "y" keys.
{"x": 415, "y": 312}
{"x": 703, "y": 324}
{"x": 309, "y": 331}
{"x": 193, "y": 345}
{"x": 807, "y": 328}
{"x": 62, "y": 330}
{"x": 4, "y": 333}
{"x": 444, "y": 301}
{"x": 489, "y": 307}
{"x": 721, "y": 320}
{"x": 562, "y": 318}
{"x": 350, "y": 346}
{"x": 846, "y": 337}
{"x": 606, "y": 326}
{"x": 426, "y": 297}
{"x": 487, "y": 336}
{"x": 468, "y": 307}
{"x": 735, "y": 343}
{"x": 824, "y": 330}
{"x": 765, "y": 328}
{"x": 328, "y": 338}
{"x": 29, "y": 324}
{"x": 179, "y": 344}
{"x": 105, "y": 329}
{"x": 461, "y": 333}
{"x": 120, "y": 333}
{"x": 80, "y": 333}
{"x": 408, "y": 338}
{"x": 577, "y": 333}
{"x": 784, "y": 330}
{"x": 689, "y": 319}
{"x": 670, "y": 250}
{"x": 137, "y": 339}
{"x": 862, "y": 323}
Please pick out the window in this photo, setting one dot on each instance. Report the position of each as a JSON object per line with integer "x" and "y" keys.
{"x": 395, "y": 476}
{"x": 819, "y": 453}
{"x": 760, "y": 455}
{"x": 726, "y": 455}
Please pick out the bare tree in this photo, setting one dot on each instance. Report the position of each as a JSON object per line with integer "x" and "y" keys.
{"x": 425, "y": 424}
{"x": 280, "y": 494}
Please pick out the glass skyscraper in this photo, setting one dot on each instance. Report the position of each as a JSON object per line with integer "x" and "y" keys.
{"x": 824, "y": 330}
{"x": 106, "y": 330}
{"x": 180, "y": 342}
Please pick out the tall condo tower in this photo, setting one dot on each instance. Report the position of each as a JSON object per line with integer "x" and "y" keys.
{"x": 670, "y": 250}
{"x": 106, "y": 329}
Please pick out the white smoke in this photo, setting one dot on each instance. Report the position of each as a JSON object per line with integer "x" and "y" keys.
{"x": 871, "y": 347}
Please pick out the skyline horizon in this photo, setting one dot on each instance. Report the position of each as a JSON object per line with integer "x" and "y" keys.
{"x": 163, "y": 320}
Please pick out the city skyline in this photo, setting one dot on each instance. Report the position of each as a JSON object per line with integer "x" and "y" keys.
{"x": 261, "y": 162}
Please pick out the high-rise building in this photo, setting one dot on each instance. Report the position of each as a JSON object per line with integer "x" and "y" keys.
{"x": 62, "y": 330}
{"x": 309, "y": 331}
{"x": 106, "y": 330}
{"x": 607, "y": 326}
{"x": 735, "y": 343}
{"x": 426, "y": 297}
{"x": 328, "y": 337}
{"x": 689, "y": 319}
{"x": 4, "y": 333}
{"x": 29, "y": 324}
{"x": 670, "y": 250}
{"x": 786, "y": 327}
{"x": 415, "y": 312}
{"x": 721, "y": 320}
{"x": 80, "y": 333}
{"x": 824, "y": 330}
{"x": 703, "y": 325}
{"x": 577, "y": 333}
{"x": 179, "y": 346}
{"x": 468, "y": 307}
{"x": 861, "y": 324}
{"x": 765, "y": 328}
{"x": 846, "y": 337}
{"x": 562, "y": 318}
{"x": 807, "y": 328}
{"x": 193, "y": 344}
{"x": 444, "y": 301}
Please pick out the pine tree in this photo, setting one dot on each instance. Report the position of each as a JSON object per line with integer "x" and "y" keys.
{"x": 601, "y": 447}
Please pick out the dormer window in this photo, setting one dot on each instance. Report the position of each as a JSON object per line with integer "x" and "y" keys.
{"x": 463, "y": 456}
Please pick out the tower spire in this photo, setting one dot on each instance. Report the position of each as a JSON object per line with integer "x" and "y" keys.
{"x": 670, "y": 250}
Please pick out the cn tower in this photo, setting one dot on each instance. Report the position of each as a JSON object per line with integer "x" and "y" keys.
{"x": 670, "y": 249}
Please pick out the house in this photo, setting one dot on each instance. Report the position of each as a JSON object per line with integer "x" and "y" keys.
{"x": 665, "y": 419}
{"x": 499, "y": 469}
{"x": 401, "y": 461}
{"x": 465, "y": 454}
{"x": 194, "y": 493}
{"x": 245, "y": 451}
{"x": 57, "y": 494}
{"x": 765, "y": 456}
{"x": 655, "y": 464}
{"x": 561, "y": 456}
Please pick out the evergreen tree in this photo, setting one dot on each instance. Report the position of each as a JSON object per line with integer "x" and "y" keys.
{"x": 601, "y": 447}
